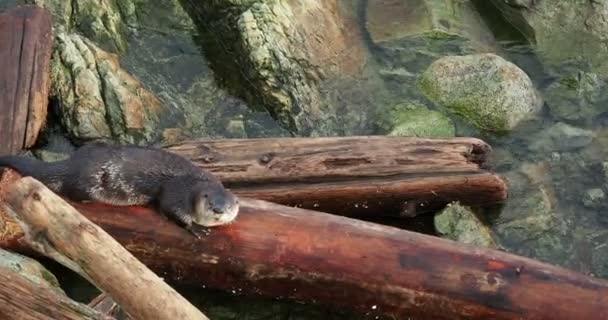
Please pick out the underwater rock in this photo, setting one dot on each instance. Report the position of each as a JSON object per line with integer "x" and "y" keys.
{"x": 594, "y": 198}
{"x": 388, "y": 20}
{"x": 561, "y": 137}
{"x": 407, "y": 36}
{"x": 563, "y": 31}
{"x": 459, "y": 223}
{"x": 488, "y": 91}
{"x": 274, "y": 54}
{"x": 30, "y": 269}
{"x": 530, "y": 223}
{"x": 96, "y": 98}
{"x": 416, "y": 120}
{"x": 577, "y": 97}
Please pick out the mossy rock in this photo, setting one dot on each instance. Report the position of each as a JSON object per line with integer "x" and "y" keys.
{"x": 488, "y": 91}
{"x": 416, "y": 120}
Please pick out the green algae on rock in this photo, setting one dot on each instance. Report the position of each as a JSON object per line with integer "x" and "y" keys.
{"x": 578, "y": 97}
{"x": 96, "y": 98}
{"x": 459, "y": 223}
{"x": 563, "y": 31}
{"x": 488, "y": 91}
{"x": 274, "y": 54}
{"x": 416, "y": 120}
{"x": 98, "y": 20}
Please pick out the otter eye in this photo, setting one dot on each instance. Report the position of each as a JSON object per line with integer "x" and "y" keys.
{"x": 206, "y": 195}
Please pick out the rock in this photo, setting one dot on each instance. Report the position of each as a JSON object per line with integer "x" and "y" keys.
{"x": 532, "y": 225}
{"x": 561, "y": 137}
{"x": 563, "y": 31}
{"x": 416, "y": 120}
{"x": 459, "y": 223}
{"x": 96, "y": 98}
{"x": 391, "y": 20}
{"x": 30, "y": 269}
{"x": 236, "y": 128}
{"x": 98, "y": 20}
{"x": 407, "y": 36}
{"x": 599, "y": 255}
{"x": 275, "y": 53}
{"x": 594, "y": 198}
{"x": 491, "y": 93}
{"x": 577, "y": 97}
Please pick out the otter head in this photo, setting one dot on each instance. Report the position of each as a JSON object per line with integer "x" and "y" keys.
{"x": 213, "y": 204}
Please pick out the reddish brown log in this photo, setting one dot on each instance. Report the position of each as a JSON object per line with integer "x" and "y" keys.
{"x": 311, "y": 256}
{"x": 25, "y": 54}
{"x": 352, "y": 176}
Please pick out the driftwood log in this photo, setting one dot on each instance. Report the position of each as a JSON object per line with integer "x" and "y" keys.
{"x": 25, "y": 53}
{"x": 280, "y": 251}
{"x": 106, "y": 305}
{"x": 353, "y": 176}
{"x": 23, "y": 299}
{"x": 57, "y": 230}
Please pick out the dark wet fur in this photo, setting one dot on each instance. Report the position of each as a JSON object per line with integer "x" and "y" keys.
{"x": 125, "y": 175}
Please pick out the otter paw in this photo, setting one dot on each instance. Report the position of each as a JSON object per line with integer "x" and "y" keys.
{"x": 198, "y": 231}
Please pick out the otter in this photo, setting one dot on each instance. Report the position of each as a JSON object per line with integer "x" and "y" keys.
{"x": 126, "y": 175}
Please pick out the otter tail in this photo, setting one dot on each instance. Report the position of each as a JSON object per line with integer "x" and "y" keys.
{"x": 37, "y": 169}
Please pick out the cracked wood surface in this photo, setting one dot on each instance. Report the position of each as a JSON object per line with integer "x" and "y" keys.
{"x": 352, "y": 176}
{"x": 25, "y": 53}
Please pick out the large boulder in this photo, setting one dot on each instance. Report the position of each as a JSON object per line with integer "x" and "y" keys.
{"x": 563, "y": 31}
{"x": 275, "y": 54}
{"x": 96, "y": 98}
{"x": 99, "y": 20}
{"x": 488, "y": 91}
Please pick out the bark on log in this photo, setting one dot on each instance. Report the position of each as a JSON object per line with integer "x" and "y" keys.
{"x": 25, "y": 55}
{"x": 23, "y": 299}
{"x": 311, "y": 256}
{"x": 106, "y": 305}
{"x": 352, "y": 176}
{"x": 60, "y": 232}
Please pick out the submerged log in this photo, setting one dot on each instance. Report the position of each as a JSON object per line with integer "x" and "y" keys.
{"x": 57, "y": 230}
{"x": 25, "y": 55}
{"x": 24, "y": 299}
{"x": 305, "y": 255}
{"x": 352, "y": 176}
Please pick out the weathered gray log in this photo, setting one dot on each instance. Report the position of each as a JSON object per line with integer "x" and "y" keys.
{"x": 21, "y": 298}
{"x": 353, "y": 176}
{"x": 54, "y": 228}
{"x": 25, "y": 54}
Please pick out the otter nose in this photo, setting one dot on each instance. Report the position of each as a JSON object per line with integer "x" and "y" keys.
{"x": 218, "y": 211}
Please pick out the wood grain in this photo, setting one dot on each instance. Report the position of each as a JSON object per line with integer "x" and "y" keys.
{"x": 25, "y": 53}
{"x": 57, "y": 230}
{"x": 352, "y": 176}
{"x": 309, "y": 256}
{"x": 22, "y": 299}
